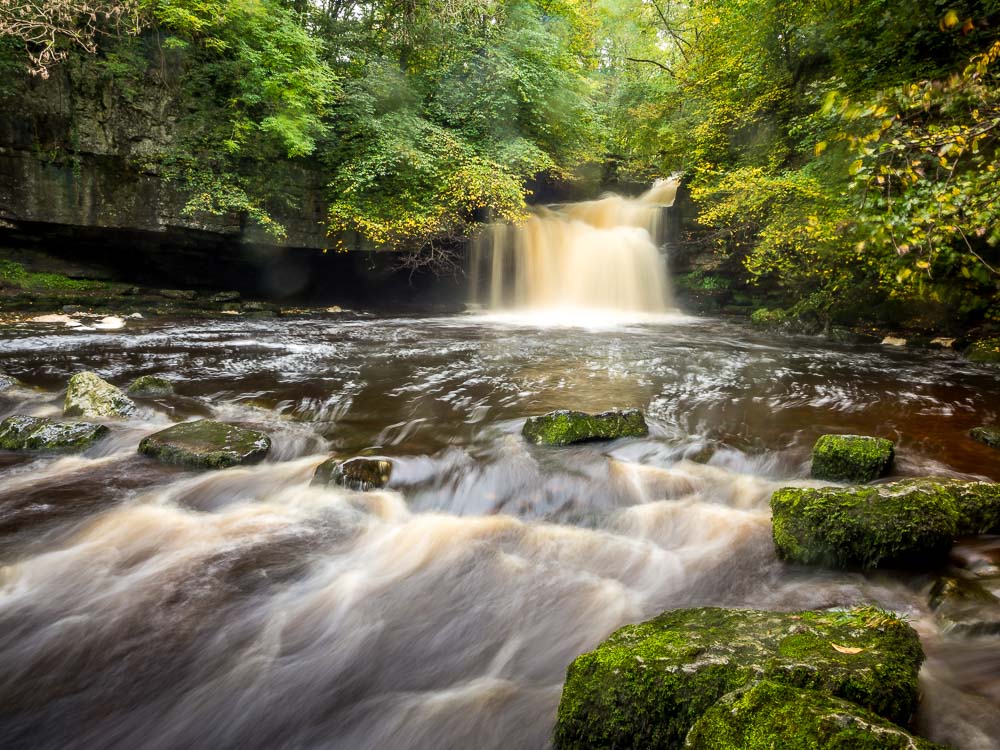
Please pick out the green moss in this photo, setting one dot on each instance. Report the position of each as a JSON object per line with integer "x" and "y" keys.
{"x": 907, "y": 521}
{"x": 356, "y": 473}
{"x": 205, "y": 444}
{"x": 150, "y": 385}
{"x": 773, "y": 715}
{"x": 19, "y": 433}
{"x": 985, "y": 350}
{"x": 16, "y": 275}
{"x": 567, "y": 427}
{"x": 987, "y": 435}
{"x": 649, "y": 683}
{"x": 851, "y": 458}
{"x": 764, "y": 318}
{"x": 8, "y": 381}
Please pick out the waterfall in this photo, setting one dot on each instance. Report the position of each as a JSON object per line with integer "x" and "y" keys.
{"x": 598, "y": 255}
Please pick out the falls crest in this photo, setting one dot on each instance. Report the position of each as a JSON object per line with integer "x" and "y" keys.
{"x": 593, "y": 255}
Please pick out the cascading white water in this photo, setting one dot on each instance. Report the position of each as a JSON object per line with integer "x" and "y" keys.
{"x": 593, "y": 255}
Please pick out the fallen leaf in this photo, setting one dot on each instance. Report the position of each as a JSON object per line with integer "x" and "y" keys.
{"x": 847, "y": 649}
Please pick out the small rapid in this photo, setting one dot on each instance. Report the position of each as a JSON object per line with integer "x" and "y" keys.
{"x": 143, "y": 605}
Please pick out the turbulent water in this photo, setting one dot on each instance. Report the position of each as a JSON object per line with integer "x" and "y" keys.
{"x": 599, "y": 255}
{"x": 147, "y": 606}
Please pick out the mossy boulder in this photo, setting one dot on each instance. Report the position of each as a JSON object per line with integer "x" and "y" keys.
{"x": 150, "y": 386}
{"x": 773, "y": 715}
{"x": 647, "y": 685}
{"x": 851, "y": 458}
{"x": 984, "y": 350}
{"x": 987, "y": 435}
{"x": 765, "y": 318}
{"x": 360, "y": 473}
{"x": 87, "y": 395}
{"x": 204, "y": 444}
{"x": 23, "y": 433}
{"x": 566, "y": 427}
{"x": 911, "y": 521}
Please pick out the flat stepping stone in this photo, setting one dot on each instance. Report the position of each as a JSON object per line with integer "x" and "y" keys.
{"x": 23, "y": 433}
{"x": 205, "y": 444}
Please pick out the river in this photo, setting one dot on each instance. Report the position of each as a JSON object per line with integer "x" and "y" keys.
{"x": 143, "y": 605}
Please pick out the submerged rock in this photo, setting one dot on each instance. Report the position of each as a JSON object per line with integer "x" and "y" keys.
{"x": 987, "y": 435}
{"x": 648, "y": 684}
{"x": 355, "y": 473}
{"x": 914, "y": 520}
{"x": 965, "y": 606}
{"x": 22, "y": 433}
{"x": 773, "y": 715}
{"x": 150, "y": 386}
{"x": 567, "y": 427}
{"x": 89, "y": 396}
{"x": 851, "y": 458}
{"x": 8, "y": 381}
{"x": 205, "y": 444}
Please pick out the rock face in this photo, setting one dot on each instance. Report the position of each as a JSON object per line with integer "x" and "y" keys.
{"x": 360, "y": 474}
{"x": 150, "y": 386}
{"x": 648, "y": 684}
{"x": 772, "y": 715}
{"x": 89, "y": 396}
{"x": 915, "y": 520}
{"x": 21, "y": 433}
{"x": 851, "y": 458}
{"x": 567, "y": 427}
{"x": 205, "y": 444}
{"x": 987, "y": 435}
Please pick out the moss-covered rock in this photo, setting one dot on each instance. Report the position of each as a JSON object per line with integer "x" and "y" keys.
{"x": 987, "y": 435}
{"x": 23, "y": 433}
{"x": 150, "y": 386}
{"x": 965, "y": 606}
{"x": 87, "y": 395}
{"x": 851, "y": 458}
{"x": 765, "y": 318}
{"x": 984, "y": 350}
{"x": 914, "y": 520}
{"x": 355, "y": 473}
{"x": 8, "y": 381}
{"x": 782, "y": 717}
{"x": 205, "y": 444}
{"x": 649, "y": 683}
{"x": 566, "y": 427}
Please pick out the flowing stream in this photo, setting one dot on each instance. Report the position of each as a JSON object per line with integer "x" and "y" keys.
{"x": 147, "y": 606}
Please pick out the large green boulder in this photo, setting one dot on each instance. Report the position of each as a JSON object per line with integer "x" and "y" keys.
{"x": 914, "y": 520}
{"x": 150, "y": 386}
{"x": 87, "y": 395}
{"x": 23, "y": 433}
{"x": 647, "y": 685}
{"x": 566, "y": 427}
{"x": 359, "y": 473}
{"x": 205, "y": 444}
{"x": 985, "y": 350}
{"x": 986, "y": 435}
{"x": 783, "y": 717}
{"x": 851, "y": 458}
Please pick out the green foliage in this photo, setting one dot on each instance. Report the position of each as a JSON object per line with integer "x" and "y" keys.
{"x": 16, "y": 275}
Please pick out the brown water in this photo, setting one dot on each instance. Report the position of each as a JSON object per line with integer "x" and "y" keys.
{"x": 147, "y": 606}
